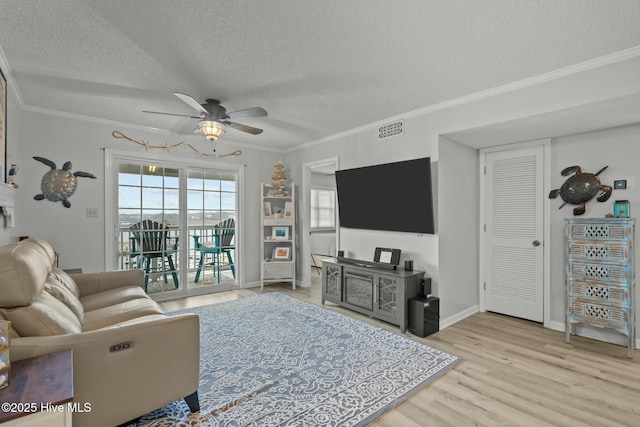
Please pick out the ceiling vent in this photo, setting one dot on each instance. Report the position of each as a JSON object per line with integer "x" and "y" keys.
{"x": 391, "y": 129}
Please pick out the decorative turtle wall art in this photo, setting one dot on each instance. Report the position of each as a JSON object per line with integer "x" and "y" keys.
{"x": 580, "y": 188}
{"x": 59, "y": 184}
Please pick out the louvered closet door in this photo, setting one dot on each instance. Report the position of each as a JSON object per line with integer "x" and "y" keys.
{"x": 514, "y": 215}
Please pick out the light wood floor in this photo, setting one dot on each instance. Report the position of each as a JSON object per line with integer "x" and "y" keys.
{"x": 514, "y": 373}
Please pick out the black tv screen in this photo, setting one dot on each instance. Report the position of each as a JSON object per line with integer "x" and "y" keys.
{"x": 391, "y": 196}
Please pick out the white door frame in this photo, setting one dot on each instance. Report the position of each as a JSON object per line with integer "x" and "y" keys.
{"x": 110, "y": 196}
{"x": 546, "y": 275}
{"x": 306, "y": 212}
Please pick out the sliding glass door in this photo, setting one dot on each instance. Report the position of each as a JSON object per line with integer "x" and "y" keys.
{"x": 177, "y": 222}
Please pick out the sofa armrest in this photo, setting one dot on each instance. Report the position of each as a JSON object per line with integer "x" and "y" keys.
{"x": 161, "y": 366}
{"x": 91, "y": 283}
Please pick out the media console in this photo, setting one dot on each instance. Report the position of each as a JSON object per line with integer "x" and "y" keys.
{"x": 366, "y": 263}
{"x": 372, "y": 290}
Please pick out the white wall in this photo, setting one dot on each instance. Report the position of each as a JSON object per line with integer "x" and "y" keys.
{"x": 79, "y": 240}
{"x": 455, "y": 270}
{"x": 458, "y": 172}
{"x": 617, "y": 148}
{"x": 362, "y": 149}
{"x": 444, "y": 256}
{"x": 9, "y": 235}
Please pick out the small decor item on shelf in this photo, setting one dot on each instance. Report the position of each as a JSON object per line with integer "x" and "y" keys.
{"x": 621, "y": 209}
{"x": 281, "y": 253}
{"x": 580, "y": 188}
{"x": 5, "y": 348}
{"x": 288, "y": 209}
{"x": 59, "y": 184}
{"x": 12, "y": 175}
{"x": 279, "y": 180}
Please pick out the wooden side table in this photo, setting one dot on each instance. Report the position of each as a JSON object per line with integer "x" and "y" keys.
{"x": 40, "y": 391}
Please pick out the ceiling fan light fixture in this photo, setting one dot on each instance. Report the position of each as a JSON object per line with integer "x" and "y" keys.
{"x": 211, "y": 130}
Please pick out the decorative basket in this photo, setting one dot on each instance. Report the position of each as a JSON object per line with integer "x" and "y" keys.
{"x": 5, "y": 348}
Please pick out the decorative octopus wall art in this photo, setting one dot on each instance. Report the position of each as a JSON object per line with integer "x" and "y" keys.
{"x": 59, "y": 184}
{"x": 580, "y": 188}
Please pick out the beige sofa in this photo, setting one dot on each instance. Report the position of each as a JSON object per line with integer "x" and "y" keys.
{"x": 94, "y": 315}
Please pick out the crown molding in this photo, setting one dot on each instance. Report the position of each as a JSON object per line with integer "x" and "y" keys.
{"x": 613, "y": 58}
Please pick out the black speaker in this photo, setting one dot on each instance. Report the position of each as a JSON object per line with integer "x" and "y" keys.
{"x": 424, "y": 316}
{"x": 408, "y": 265}
{"x": 341, "y": 254}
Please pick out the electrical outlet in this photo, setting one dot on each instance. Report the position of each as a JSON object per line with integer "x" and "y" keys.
{"x": 92, "y": 212}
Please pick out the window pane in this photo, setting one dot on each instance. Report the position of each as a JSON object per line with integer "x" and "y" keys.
{"x": 171, "y": 178}
{"x": 194, "y": 199}
{"x": 152, "y": 198}
{"x": 322, "y": 208}
{"x": 194, "y": 180}
{"x": 171, "y": 199}
{"x": 228, "y": 201}
{"x": 152, "y": 179}
{"x": 211, "y": 200}
{"x": 129, "y": 197}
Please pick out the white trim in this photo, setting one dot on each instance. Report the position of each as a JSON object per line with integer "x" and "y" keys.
{"x": 546, "y": 285}
{"x": 110, "y": 223}
{"x": 541, "y": 78}
{"x": 306, "y": 212}
{"x": 476, "y": 96}
{"x": 444, "y": 323}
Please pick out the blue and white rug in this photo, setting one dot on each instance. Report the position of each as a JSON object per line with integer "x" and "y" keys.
{"x": 273, "y": 360}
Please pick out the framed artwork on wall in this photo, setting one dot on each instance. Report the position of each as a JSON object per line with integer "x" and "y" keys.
{"x": 3, "y": 127}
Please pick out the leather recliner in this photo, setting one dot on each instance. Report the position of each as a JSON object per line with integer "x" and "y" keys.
{"x": 92, "y": 314}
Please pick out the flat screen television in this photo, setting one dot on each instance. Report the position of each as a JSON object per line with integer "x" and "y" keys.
{"x": 391, "y": 196}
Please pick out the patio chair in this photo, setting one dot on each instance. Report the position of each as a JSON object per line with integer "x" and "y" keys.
{"x": 221, "y": 244}
{"x": 154, "y": 245}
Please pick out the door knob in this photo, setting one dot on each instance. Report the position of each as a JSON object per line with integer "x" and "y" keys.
{"x": 536, "y": 243}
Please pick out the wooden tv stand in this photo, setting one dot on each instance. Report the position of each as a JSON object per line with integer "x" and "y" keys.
{"x": 377, "y": 292}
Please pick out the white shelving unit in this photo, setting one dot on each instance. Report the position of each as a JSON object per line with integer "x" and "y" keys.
{"x": 278, "y": 246}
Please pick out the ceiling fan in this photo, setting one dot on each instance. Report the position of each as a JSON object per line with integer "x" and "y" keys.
{"x": 214, "y": 118}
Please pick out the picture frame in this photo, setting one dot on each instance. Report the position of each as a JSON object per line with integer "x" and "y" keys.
{"x": 281, "y": 253}
{"x": 3, "y": 126}
{"x": 288, "y": 209}
{"x": 280, "y": 233}
{"x": 267, "y": 209}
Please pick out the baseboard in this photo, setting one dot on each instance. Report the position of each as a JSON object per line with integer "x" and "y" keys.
{"x": 458, "y": 317}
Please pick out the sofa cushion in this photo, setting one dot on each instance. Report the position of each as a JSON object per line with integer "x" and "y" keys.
{"x": 24, "y": 268}
{"x": 46, "y": 248}
{"x": 112, "y": 297}
{"x": 64, "y": 279}
{"x": 45, "y": 316}
{"x": 65, "y": 296}
{"x": 111, "y": 315}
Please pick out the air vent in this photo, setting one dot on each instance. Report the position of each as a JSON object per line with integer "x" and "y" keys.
{"x": 391, "y": 129}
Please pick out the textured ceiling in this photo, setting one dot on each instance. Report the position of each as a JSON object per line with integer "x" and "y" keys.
{"x": 318, "y": 67}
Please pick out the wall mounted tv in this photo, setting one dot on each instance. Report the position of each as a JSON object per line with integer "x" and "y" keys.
{"x": 391, "y": 196}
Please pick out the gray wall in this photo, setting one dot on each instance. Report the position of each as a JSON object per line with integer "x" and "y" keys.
{"x": 450, "y": 256}
{"x": 617, "y": 148}
{"x": 458, "y": 173}
{"x": 69, "y": 230}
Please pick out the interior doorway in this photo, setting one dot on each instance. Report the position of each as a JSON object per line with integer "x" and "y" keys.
{"x": 320, "y": 226}
{"x": 514, "y": 260}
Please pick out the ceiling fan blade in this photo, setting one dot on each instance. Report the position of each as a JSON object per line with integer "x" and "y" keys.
{"x": 249, "y": 112}
{"x": 243, "y": 128}
{"x": 191, "y": 103}
{"x": 171, "y": 114}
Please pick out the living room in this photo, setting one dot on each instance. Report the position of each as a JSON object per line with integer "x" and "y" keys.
{"x": 584, "y": 114}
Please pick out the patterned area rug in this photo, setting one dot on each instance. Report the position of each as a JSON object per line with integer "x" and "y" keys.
{"x": 273, "y": 360}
